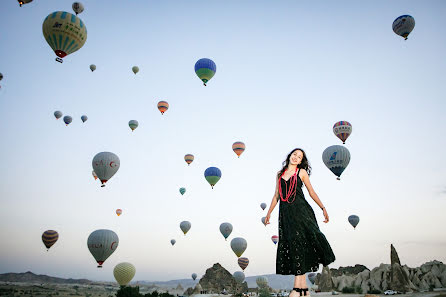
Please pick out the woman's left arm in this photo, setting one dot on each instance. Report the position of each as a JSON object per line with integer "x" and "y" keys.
{"x": 306, "y": 179}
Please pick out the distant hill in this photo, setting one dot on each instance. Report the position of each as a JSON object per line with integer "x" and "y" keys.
{"x": 30, "y": 277}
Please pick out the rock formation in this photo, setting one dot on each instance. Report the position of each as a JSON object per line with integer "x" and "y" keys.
{"x": 217, "y": 278}
{"x": 399, "y": 278}
{"x": 326, "y": 281}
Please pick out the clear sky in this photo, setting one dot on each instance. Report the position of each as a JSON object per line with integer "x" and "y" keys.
{"x": 286, "y": 72}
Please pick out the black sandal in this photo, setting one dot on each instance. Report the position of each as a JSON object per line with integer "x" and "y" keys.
{"x": 300, "y": 290}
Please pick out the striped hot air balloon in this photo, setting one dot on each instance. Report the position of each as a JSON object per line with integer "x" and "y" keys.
{"x": 163, "y": 106}
{"x": 119, "y": 212}
{"x": 133, "y": 124}
{"x": 182, "y": 191}
{"x": 212, "y": 175}
{"x": 64, "y": 32}
{"x": 124, "y": 273}
{"x": 189, "y": 158}
{"x": 275, "y": 239}
{"x": 238, "y": 148}
{"x": 342, "y": 130}
{"x": 205, "y": 69}
{"x": 243, "y": 263}
{"x": 49, "y": 237}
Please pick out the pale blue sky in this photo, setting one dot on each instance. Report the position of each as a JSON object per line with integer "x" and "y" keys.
{"x": 286, "y": 72}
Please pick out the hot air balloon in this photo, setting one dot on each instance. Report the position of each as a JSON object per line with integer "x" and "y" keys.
{"x": 185, "y": 226}
{"x": 21, "y": 2}
{"x": 182, "y": 191}
{"x": 205, "y": 69}
{"x": 1, "y": 76}
{"x": 67, "y": 120}
{"x": 312, "y": 277}
{"x": 189, "y": 159}
{"x": 263, "y": 219}
{"x": 353, "y": 220}
{"x": 225, "y": 229}
{"x": 238, "y": 148}
{"x": 163, "y": 106}
{"x": 64, "y": 32}
{"x": 172, "y": 241}
{"x": 123, "y": 273}
{"x": 84, "y": 118}
{"x": 403, "y": 25}
{"x": 78, "y": 7}
{"x": 275, "y": 239}
{"x": 58, "y": 114}
{"x": 105, "y": 165}
{"x": 238, "y": 246}
{"x": 239, "y": 276}
{"x": 243, "y": 262}
{"x": 194, "y": 276}
{"x": 119, "y": 212}
{"x": 94, "y": 175}
{"x": 92, "y": 67}
{"x": 212, "y": 175}
{"x": 263, "y": 206}
{"x": 135, "y": 69}
{"x": 102, "y": 243}
{"x": 342, "y": 130}
{"x": 133, "y": 124}
{"x": 49, "y": 237}
{"x": 336, "y": 158}
{"x": 262, "y": 281}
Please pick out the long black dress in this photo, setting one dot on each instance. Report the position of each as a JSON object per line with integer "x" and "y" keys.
{"x": 302, "y": 246}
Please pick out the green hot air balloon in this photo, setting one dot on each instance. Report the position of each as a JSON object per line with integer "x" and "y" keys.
{"x": 205, "y": 69}
{"x": 212, "y": 175}
{"x": 135, "y": 69}
{"x": 182, "y": 191}
{"x": 133, "y": 124}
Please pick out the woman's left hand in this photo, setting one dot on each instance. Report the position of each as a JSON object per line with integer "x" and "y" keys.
{"x": 326, "y": 216}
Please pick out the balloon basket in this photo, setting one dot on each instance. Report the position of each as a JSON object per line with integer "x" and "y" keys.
{"x": 59, "y": 60}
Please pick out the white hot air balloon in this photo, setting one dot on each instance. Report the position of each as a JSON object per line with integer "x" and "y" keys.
{"x": 124, "y": 273}
{"x": 226, "y": 229}
{"x": 77, "y": 7}
{"x": 102, "y": 243}
{"x": 185, "y": 226}
{"x": 238, "y": 246}
{"x": 239, "y": 276}
{"x": 336, "y": 158}
{"x": 403, "y": 25}
{"x": 262, "y": 281}
{"x": 105, "y": 165}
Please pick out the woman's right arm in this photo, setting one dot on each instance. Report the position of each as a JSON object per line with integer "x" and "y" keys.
{"x": 273, "y": 202}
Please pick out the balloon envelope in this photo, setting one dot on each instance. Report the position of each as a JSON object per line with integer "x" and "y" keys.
{"x": 49, "y": 237}
{"x": 119, "y": 212}
{"x": 102, "y": 243}
{"x": 243, "y": 262}
{"x": 403, "y": 25}
{"x": 172, "y": 241}
{"x": 185, "y": 226}
{"x": 353, "y": 220}
{"x": 21, "y": 2}
{"x": 239, "y": 276}
{"x": 123, "y": 273}
{"x": 77, "y": 7}
{"x": 163, "y": 106}
{"x": 342, "y": 130}
{"x": 67, "y": 120}
{"x": 225, "y": 229}
{"x": 263, "y": 219}
{"x": 263, "y": 206}
{"x": 135, "y": 69}
{"x": 182, "y": 191}
{"x": 194, "y": 276}
{"x": 275, "y": 239}
{"x": 262, "y": 281}
{"x": 336, "y": 158}
{"x": 58, "y": 114}
{"x": 84, "y": 118}
{"x": 1, "y": 76}
{"x": 189, "y": 158}
{"x": 64, "y": 32}
{"x": 133, "y": 124}
{"x": 238, "y": 246}
{"x": 105, "y": 165}
{"x": 92, "y": 67}
{"x": 205, "y": 69}
{"x": 238, "y": 148}
{"x": 212, "y": 175}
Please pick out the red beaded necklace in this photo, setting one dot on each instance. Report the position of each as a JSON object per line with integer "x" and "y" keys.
{"x": 291, "y": 190}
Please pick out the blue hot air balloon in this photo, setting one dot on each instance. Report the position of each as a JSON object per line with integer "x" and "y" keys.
{"x": 205, "y": 69}
{"x": 212, "y": 175}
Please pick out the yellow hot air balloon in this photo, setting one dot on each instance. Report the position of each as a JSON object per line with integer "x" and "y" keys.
{"x": 64, "y": 32}
{"x": 124, "y": 272}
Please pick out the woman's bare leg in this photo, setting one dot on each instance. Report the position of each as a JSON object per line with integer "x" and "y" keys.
{"x": 299, "y": 282}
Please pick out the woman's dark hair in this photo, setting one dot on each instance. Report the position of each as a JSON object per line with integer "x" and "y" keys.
{"x": 304, "y": 164}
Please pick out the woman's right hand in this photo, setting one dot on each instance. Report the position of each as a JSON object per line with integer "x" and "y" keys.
{"x": 268, "y": 215}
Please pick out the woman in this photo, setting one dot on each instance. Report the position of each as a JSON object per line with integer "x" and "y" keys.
{"x": 302, "y": 246}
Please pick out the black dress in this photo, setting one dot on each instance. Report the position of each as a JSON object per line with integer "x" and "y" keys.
{"x": 302, "y": 246}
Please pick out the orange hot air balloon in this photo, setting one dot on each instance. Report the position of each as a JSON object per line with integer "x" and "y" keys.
{"x": 163, "y": 106}
{"x": 119, "y": 212}
{"x": 238, "y": 148}
{"x": 189, "y": 158}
